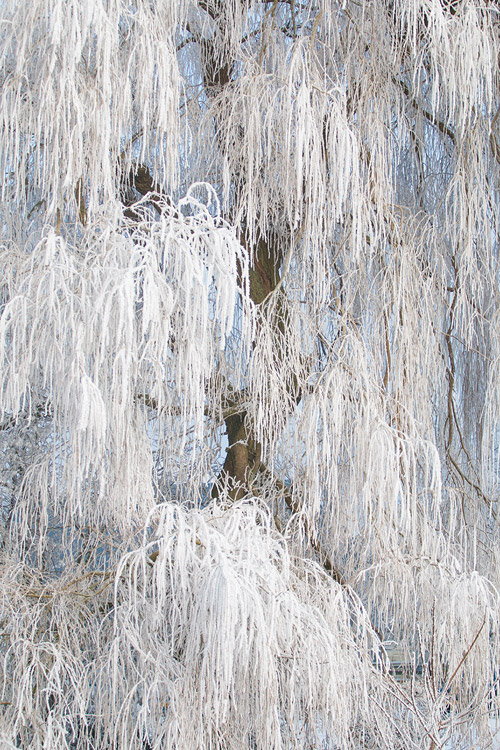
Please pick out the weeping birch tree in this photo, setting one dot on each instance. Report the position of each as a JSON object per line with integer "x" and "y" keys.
{"x": 249, "y": 385}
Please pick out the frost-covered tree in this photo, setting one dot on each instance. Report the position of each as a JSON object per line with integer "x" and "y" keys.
{"x": 249, "y": 373}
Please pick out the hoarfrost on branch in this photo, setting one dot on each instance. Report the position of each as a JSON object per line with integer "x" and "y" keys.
{"x": 249, "y": 391}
